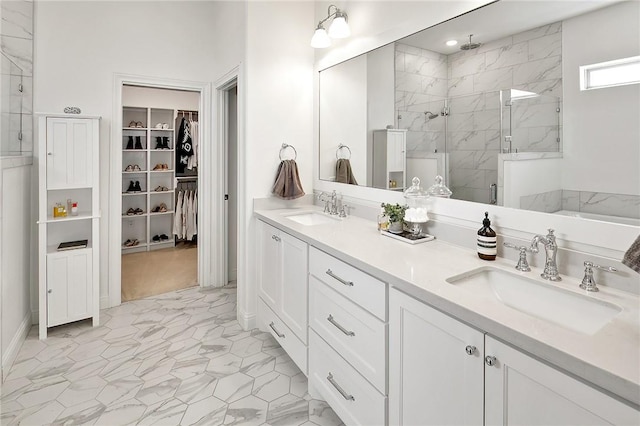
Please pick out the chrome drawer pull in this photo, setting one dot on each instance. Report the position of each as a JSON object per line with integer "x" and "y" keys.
{"x": 339, "y": 327}
{"x": 275, "y": 237}
{"x": 345, "y": 282}
{"x": 280, "y": 335}
{"x": 339, "y": 389}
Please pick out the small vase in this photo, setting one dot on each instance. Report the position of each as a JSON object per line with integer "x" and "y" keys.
{"x": 395, "y": 227}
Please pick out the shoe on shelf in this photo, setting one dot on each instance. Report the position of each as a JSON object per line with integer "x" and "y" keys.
{"x": 139, "y": 124}
{"x": 156, "y": 209}
{"x": 130, "y": 143}
{"x": 163, "y": 207}
{"x": 159, "y": 143}
{"x": 161, "y": 188}
{"x": 164, "y": 237}
{"x": 158, "y": 167}
{"x": 159, "y": 126}
{"x": 129, "y": 168}
{"x": 138, "y": 144}
{"x": 136, "y": 168}
{"x": 156, "y": 238}
{"x": 165, "y": 126}
{"x": 131, "y": 212}
{"x": 137, "y": 186}
{"x": 135, "y": 242}
{"x": 132, "y": 124}
{"x": 165, "y": 167}
{"x": 165, "y": 142}
{"x": 132, "y": 187}
{"x": 130, "y": 243}
{"x": 138, "y": 211}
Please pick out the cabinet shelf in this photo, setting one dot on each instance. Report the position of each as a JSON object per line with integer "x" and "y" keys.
{"x": 133, "y": 216}
{"x": 162, "y": 171}
{"x": 133, "y": 193}
{"x": 161, "y": 150}
{"x": 153, "y": 129}
{"x": 161, "y": 213}
{"x": 80, "y": 216}
{"x": 135, "y": 128}
{"x": 135, "y": 173}
{"x": 134, "y": 150}
{"x": 141, "y": 244}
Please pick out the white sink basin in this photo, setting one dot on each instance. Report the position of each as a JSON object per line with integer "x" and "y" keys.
{"x": 311, "y": 218}
{"x": 571, "y": 310}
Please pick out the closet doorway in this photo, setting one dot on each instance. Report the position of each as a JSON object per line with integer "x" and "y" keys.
{"x": 160, "y": 164}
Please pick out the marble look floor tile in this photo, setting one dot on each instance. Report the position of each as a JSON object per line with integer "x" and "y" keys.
{"x": 168, "y": 412}
{"x": 38, "y": 414}
{"x": 321, "y": 414}
{"x": 81, "y": 391}
{"x": 214, "y": 348}
{"x": 196, "y": 388}
{"x": 299, "y": 385}
{"x": 30, "y": 348}
{"x": 288, "y": 410}
{"x": 11, "y": 389}
{"x": 120, "y": 390}
{"x": 233, "y": 387}
{"x": 86, "y": 413}
{"x": 189, "y": 367}
{"x": 46, "y": 391}
{"x": 247, "y": 411}
{"x": 85, "y": 368}
{"x": 123, "y": 413}
{"x": 224, "y": 365}
{"x": 158, "y": 389}
{"x": 120, "y": 368}
{"x": 59, "y": 350}
{"x": 271, "y": 386}
{"x": 88, "y": 350}
{"x": 92, "y": 333}
{"x": 258, "y": 364}
{"x": 54, "y": 368}
{"x": 184, "y": 349}
{"x": 23, "y": 368}
{"x": 179, "y": 332}
{"x": 125, "y": 348}
{"x": 246, "y": 347}
{"x": 208, "y": 411}
{"x": 154, "y": 367}
{"x": 285, "y": 365}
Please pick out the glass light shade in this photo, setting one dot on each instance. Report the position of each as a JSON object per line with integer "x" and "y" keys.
{"x": 339, "y": 27}
{"x": 320, "y": 39}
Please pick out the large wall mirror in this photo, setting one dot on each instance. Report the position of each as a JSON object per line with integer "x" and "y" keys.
{"x": 500, "y": 115}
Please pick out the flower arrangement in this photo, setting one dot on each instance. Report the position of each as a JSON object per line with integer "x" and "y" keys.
{"x": 395, "y": 212}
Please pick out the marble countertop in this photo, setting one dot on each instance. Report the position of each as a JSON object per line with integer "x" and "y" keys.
{"x": 610, "y": 358}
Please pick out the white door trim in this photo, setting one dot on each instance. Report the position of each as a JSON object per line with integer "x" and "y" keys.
{"x": 206, "y": 161}
{"x": 246, "y": 317}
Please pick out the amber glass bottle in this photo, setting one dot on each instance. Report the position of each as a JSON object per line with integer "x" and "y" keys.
{"x": 487, "y": 241}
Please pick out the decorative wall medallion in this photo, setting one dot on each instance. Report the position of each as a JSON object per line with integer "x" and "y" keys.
{"x": 72, "y": 110}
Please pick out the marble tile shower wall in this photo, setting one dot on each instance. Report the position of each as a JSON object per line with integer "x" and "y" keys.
{"x": 622, "y": 205}
{"x": 16, "y": 42}
{"x": 421, "y": 86}
{"x": 469, "y": 83}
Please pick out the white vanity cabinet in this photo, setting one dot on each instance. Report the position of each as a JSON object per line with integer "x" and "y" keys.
{"x": 442, "y": 371}
{"x": 348, "y": 338}
{"x": 282, "y": 290}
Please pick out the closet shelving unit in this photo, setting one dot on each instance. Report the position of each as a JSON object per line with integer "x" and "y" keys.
{"x": 143, "y": 227}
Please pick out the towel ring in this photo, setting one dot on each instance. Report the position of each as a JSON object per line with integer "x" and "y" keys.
{"x": 338, "y": 151}
{"x": 285, "y": 146}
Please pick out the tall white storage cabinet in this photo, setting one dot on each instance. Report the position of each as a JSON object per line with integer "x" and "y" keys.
{"x": 68, "y": 170}
{"x": 389, "y": 159}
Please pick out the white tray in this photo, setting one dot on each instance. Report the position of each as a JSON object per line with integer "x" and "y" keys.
{"x": 405, "y": 237}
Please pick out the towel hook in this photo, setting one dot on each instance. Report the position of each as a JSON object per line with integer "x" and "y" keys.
{"x": 285, "y": 146}
{"x": 338, "y": 151}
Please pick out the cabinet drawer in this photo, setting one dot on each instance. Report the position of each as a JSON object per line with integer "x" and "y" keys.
{"x": 354, "y": 399}
{"x": 268, "y": 320}
{"x": 363, "y": 289}
{"x": 353, "y": 332}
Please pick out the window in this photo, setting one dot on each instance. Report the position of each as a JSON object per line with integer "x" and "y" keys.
{"x": 612, "y": 73}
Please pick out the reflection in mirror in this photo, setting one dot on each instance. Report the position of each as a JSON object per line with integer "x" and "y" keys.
{"x": 504, "y": 120}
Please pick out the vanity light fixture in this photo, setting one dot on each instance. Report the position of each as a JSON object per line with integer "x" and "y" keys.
{"x": 452, "y": 42}
{"x": 339, "y": 28}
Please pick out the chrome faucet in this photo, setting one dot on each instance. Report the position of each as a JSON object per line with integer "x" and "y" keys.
{"x": 330, "y": 202}
{"x": 551, "y": 249}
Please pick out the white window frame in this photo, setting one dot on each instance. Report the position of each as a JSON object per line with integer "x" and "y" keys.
{"x": 585, "y": 73}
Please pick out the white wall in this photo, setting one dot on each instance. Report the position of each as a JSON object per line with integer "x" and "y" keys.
{"x": 15, "y": 253}
{"x": 613, "y": 148}
{"x": 343, "y": 108}
{"x": 160, "y": 98}
{"x": 79, "y": 46}
{"x": 527, "y": 177}
{"x": 279, "y": 102}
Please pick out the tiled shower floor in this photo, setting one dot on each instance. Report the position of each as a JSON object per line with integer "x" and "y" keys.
{"x": 175, "y": 359}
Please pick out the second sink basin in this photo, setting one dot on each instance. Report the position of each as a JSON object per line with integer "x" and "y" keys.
{"x": 310, "y": 218}
{"x": 565, "y": 308}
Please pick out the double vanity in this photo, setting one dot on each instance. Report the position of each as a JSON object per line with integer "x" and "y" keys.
{"x": 390, "y": 333}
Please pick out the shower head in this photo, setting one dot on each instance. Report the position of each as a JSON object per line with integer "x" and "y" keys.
{"x": 469, "y": 46}
{"x": 429, "y": 115}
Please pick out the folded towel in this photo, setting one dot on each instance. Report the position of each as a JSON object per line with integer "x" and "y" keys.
{"x": 632, "y": 256}
{"x": 287, "y": 185}
{"x": 344, "y": 174}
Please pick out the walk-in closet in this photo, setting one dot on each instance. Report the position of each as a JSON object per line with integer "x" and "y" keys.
{"x": 160, "y": 138}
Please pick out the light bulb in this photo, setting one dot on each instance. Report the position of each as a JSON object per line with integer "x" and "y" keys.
{"x": 320, "y": 38}
{"x": 452, "y": 42}
{"x": 339, "y": 27}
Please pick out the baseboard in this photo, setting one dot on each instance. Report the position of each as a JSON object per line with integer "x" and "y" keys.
{"x": 16, "y": 343}
{"x": 247, "y": 321}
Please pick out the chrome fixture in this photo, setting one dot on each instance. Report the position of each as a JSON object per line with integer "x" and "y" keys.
{"x": 589, "y": 282}
{"x": 493, "y": 192}
{"x": 522, "y": 265}
{"x": 339, "y": 28}
{"x": 330, "y": 202}
{"x": 428, "y": 115}
{"x": 343, "y": 206}
{"x": 551, "y": 249}
{"x": 470, "y": 46}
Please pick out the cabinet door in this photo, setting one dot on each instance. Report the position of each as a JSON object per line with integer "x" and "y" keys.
{"x": 69, "y": 153}
{"x": 269, "y": 264}
{"x": 395, "y": 151}
{"x": 432, "y": 378}
{"x": 69, "y": 289}
{"x": 522, "y": 390}
{"x": 293, "y": 290}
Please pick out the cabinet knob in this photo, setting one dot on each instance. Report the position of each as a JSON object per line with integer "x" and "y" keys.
{"x": 49, "y": 153}
{"x": 49, "y": 291}
{"x": 490, "y": 360}
{"x": 275, "y": 237}
{"x": 470, "y": 350}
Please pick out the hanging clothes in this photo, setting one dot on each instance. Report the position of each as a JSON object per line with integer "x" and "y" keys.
{"x": 190, "y": 218}
{"x": 177, "y": 219}
{"x": 184, "y": 146}
{"x": 192, "y": 163}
